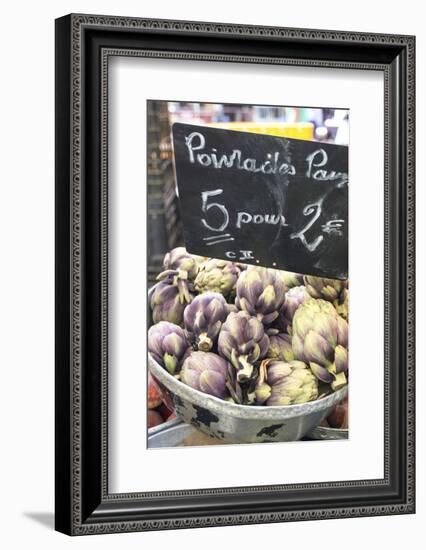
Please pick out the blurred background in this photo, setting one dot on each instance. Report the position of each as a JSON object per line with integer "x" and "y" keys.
{"x": 164, "y": 225}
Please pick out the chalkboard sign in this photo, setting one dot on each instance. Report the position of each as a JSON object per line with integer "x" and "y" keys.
{"x": 263, "y": 200}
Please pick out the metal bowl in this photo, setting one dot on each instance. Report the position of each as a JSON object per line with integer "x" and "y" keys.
{"x": 168, "y": 434}
{"x": 323, "y": 432}
{"x": 175, "y": 433}
{"x": 234, "y": 423}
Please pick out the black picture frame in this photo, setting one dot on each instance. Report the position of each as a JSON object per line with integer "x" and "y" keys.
{"x": 83, "y": 46}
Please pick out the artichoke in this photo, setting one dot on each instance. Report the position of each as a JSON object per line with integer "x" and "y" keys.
{"x": 290, "y": 279}
{"x": 241, "y": 392}
{"x": 206, "y": 372}
{"x": 180, "y": 260}
{"x": 242, "y": 340}
{"x": 261, "y": 293}
{"x": 203, "y": 319}
{"x": 342, "y": 304}
{"x": 320, "y": 338}
{"x": 180, "y": 269}
{"x": 293, "y": 298}
{"x": 168, "y": 345}
{"x": 217, "y": 276}
{"x": 327, "y": 289}
{"x": 168, "y": 303}
{"x": 280, "y": 347}
{"x": 285, "y": 383}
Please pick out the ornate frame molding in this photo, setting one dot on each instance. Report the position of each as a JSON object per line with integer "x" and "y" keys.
{"x": 73, "y": 503}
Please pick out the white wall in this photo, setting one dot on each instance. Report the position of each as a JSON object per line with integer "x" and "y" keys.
{"x": 26, "y": 305}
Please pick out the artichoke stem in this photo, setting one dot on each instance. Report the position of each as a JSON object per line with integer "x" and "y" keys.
{"x": 204, "y": 342}
{"x": 234, "y": 395}
{"x": 246, "y": 369}
{"x": 182, "y": 274}
{"x": 339, "y": 381}
{"x": 184, "y": 295}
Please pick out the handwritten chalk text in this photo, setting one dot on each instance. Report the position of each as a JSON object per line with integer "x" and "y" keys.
{"x": 272, "y": 219}
{"x": 316, "y": 162}
{"x": 273, "y": 165}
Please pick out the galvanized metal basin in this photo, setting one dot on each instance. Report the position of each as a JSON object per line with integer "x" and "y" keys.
{"x": 324, "y": 432}
{"x": 234, "y": 423}
{"x": 168, "y": 434}
{"x": 241, "y": 423}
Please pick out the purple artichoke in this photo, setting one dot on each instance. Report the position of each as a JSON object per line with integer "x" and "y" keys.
{"x": 280, "y": 347}
{"x": 206, "y": 372}
{"x": 320, "y": 338}
{"x": 203, "y": 319}
{"x": 168, "y": 345}
{"x": 293, "y": 298}
{"x": 261, "y": 293}
{"x": 285, "y": 383}
{"x": 180, "y": 260}
{"x": 241, "y": 392}
{"x": 242, "y": 340}
{"x": 168, "y": 304}
{"x": 180, "y": 269}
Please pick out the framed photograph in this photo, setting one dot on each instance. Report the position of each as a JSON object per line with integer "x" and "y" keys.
{"x": 234, "y": 212}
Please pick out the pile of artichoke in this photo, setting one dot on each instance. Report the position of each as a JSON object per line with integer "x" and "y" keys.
{"x": 249, "y": 335}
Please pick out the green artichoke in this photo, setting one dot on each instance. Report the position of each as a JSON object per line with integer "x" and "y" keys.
{"x": 242, "y": 340}
{"x": 203, "y": 319}
{"x": 280, "y": 347}
{"x": 261, "y": 293}
{"x": 327, "y": 289}
{"x": 285, "y": 383}
{"x": 217, "y": 276}
{"x": 168, "y": 303}
{"x": 167, "y": 344}
{"x": 320, "y": 339}
{"x": 206, "y": 372}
